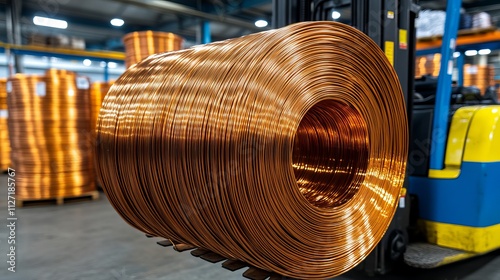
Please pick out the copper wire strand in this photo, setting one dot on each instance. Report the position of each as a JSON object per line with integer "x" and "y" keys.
{"x": 141, "y": 44}
{"x": 50, "y": 133}
{"x": 285, "y": 149}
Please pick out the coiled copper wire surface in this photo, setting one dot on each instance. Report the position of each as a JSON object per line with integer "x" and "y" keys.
{"x": 139, "y": 45}
{"x": 4, "y": 132}
{"x": 49, "y": 125}
{"x": 285, "y": 149}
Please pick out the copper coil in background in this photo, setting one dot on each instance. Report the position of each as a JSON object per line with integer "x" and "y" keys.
{"x": 139, "y": 45}
{"x": 97, "y": 93}
{"x": 428, "y": 65}
{"x": 480, "y": 76}
{"x": 285, "y": 149}
{"x": 497, "y": 84}
{"x": 50, "y": 132}
{"x": 4, "y": 132}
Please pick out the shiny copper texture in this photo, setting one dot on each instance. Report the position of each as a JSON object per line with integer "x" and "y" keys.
{"x": 4, "y": 132}
{"x": 139, "y": 45}
{"x": 50, "y": 133}
{"x": 285, "y": 149}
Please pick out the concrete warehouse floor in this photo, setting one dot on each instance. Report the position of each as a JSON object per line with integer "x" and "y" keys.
{"x": 88, "y": 240}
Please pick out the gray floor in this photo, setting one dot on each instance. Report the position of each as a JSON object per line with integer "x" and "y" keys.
{"x": 90, "y": 241}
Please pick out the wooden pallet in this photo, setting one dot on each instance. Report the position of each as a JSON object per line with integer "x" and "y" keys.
{"x": 93, "y": 195}
{"x": 250, "y": 272}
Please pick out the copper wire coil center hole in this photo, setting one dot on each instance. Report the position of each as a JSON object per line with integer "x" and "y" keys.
{"x": 330, "y": 153}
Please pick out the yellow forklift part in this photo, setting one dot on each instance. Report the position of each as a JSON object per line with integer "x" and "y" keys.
{"x": 456, "y": 143}
{"x": 483, "y": 138}
{"x": 467, "y": 238}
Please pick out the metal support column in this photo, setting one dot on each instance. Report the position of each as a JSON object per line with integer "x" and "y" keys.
{"x": 460, "y": 68}
{"x": 106, "y": 72}
{"x": 286, "y": 12}
{"x": 13, "y": 25}
{"x": 442, "y": 108}
{"x": 206, "y": 36}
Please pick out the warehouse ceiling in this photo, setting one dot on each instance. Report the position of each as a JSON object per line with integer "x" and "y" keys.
{"x": 90, "y": 19}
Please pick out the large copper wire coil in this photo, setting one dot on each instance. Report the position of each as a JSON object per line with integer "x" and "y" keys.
{"x": 50, "y": 132}
{"x": 4, "y": 132}
{"x": 141, "y": 44}
{"x": 285, "y": 149}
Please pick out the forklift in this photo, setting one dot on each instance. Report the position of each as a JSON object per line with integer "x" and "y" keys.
{"x": 448, "y": 208}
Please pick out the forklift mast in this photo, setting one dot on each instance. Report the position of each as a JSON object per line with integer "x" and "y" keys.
{"x": 391, "y": 24}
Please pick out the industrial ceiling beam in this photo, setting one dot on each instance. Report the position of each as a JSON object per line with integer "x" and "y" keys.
{"x": 167, "y": 6}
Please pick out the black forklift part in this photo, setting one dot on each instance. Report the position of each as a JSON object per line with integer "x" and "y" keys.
{"x": 231, "y": 265}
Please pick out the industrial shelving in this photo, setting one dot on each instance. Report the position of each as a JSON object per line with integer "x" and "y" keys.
{"x": 65, "y": 53}
{"x": 484, "y": 38}
{"x": 473, "y": 39}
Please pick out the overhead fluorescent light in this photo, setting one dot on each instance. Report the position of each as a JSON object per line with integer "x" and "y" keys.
{"x": 456, "y": 54}
{"x": 335, "y": 15}
{"x": 117, "y": 22}
{"x": 471, "y": 53}
{"x": 112, "y": 64}
{"x": 50, "y": 22}
{"x": 261, "y": 23}
{"x": 484, "y": 51}
{"x": 87, "y": 62}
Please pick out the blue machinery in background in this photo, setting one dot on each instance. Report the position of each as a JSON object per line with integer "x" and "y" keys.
{"x": 440, "y": 123}
{"x": 205, "y": 32}
{"x": 458, "y": 198}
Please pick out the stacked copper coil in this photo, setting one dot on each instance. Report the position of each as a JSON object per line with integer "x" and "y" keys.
{"x": 497, "y": 84}
{"x": 139, "y": 45}
{"x": 49, "y": 125}
{"x": 480, "y": 76}
{"x": 285, "y": 149}
{"x": 4, "y": 132}
{"x": 97, "y": 93}
{"x": 428, "y": 65}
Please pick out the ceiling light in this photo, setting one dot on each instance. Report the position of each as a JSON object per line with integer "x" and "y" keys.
{"x": 87, "y": 62}
{"x": 456, "y": 54}
{"x": 484, "y": 51}
{"x": 50, "y": 22}
{"x": 102, "y": 64}
{"x": 261, "y": 23}
{"x": 112, "y": 64}
{"x": 117, "y": 22}
{"x": 471, "y": 53}
{"x": 335, "y": 15}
